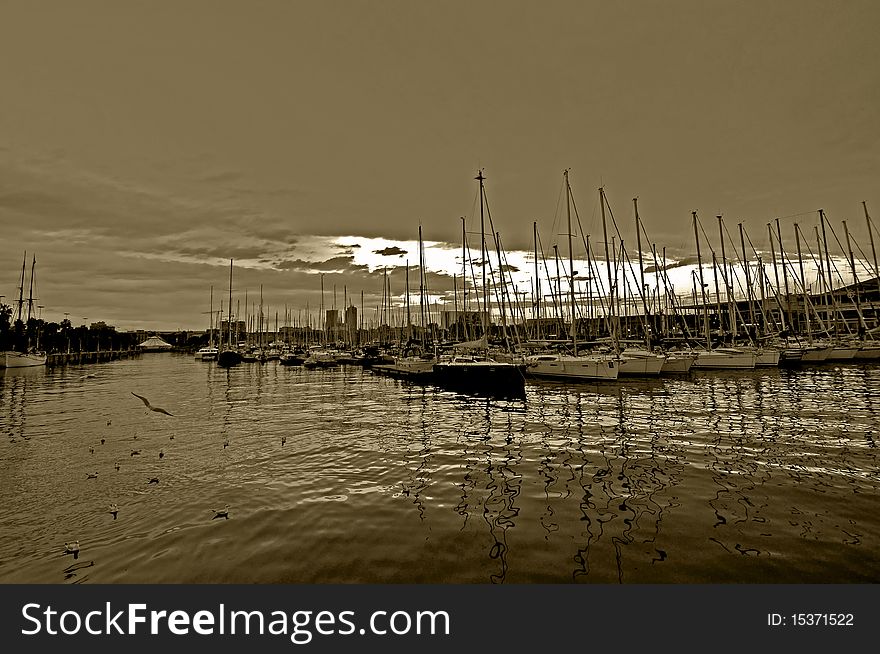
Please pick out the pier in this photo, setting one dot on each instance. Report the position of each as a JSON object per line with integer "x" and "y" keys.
{"x": 64, "y": 358}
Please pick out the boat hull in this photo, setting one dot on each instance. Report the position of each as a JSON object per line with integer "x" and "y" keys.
{"x": 725, "y": 360}
{"x": 22, "y": 359}
{"x": 677, "y": 364}
{"x": 228, "y": 358}
{"x": 640, "y": 363}
{"x": 483, "y": 377}
{"x": 572, "y": 368}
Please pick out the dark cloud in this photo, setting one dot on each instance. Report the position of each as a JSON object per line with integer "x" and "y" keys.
{"x": 343, "y": 264}
{"x": 390, "y": 251}
{"x": 686, "y": 261}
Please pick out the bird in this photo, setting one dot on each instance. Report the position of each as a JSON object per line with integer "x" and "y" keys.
{"x": 171, "y": 438}
{"x": 102, "y": 441}
{"x": 91, "y": 450}
{"x": 92, "y": 475}
{"x": 133, "y": 452}
{"x": 225, "y": 443}
{"x": 150, "y": 406}
{"x": 108, "y": 423}
{"x": 117, "y": 466}
{"x": 221, "y": 513}
{"x": 153, "y": 480}
{"x": 161, "y": 454}
{"x": 72, "y": 548}
{"x": 283, "y": 440}
{"x": 114, "y": 510}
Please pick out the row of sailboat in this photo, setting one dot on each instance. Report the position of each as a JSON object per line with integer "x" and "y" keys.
{"x": 599, "y": 345}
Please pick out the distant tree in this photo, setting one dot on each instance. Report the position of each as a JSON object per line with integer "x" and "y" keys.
{"x": 5, "y": 326}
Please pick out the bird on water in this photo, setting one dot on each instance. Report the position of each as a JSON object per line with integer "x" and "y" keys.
{"x": 221, "y": 513}
{"x": 72, "y": 548}
{"x": 150, "y": 406}
{"x": 153, "y": 480}
{"x": 114, "y": 510}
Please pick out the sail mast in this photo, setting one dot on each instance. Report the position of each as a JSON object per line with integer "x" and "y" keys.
{"x": 797, "y": 241}
{"x": 702, "y": 286}
{"x": 613, "y": 331}
{"x": 483, "y": 257}
{"x": 537, "y": 287}
{"x": 643, "y": 291}
{"x": 229, "y": 326}
{"x": 571, "y": 266}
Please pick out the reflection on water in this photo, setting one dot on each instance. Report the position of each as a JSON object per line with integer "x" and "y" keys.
{"x": 341, "y": 476}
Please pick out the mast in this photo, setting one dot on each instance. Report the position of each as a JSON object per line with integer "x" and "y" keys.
{"x": 230, "y": 306}
{"x": 573, "y": 328}
{"x": 608, "y": 265}
{"x": 31, "y": 291}
{"x": 828, "y": 263}
{"x": 537, "y": 284}
{"x": 742, "y": 242}
{"x": 408, "y": 318}
{"x": 784, "y": 273}
{"x": 702, "y": 286}
{"x": 464, "y": 304}
{"x": 727, "y": 283}
{"x": 642, "y": 273}
{"x": 797, "y": 241}
{"x": 21, "y": 287}
{"x": 776, "y": 275}
{"x": 873, "y": 251}
{"x": 483, "y": 257}
{"x": 863, "y": 327}
{"x": 211, "y": 322}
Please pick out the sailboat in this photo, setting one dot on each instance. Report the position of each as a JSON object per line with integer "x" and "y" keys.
{"x": 725, "y": 358}
{"x": 28, "y": 356}
{"x": 572, "y": 366}
{"x": 476, "y": 372}
{"x": 209, "y": 352}
{"x": 229, "y": 355}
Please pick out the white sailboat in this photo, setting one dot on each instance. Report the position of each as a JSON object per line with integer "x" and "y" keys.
{"x": 29, "y": 356}
{"x": 572, "y": 366}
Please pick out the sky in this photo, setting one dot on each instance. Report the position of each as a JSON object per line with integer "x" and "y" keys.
{"x": 145, "y": 144}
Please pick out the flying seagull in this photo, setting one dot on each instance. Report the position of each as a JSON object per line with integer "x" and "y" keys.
{"x": 150, "y": 406}
{"x": 221, "y": 513}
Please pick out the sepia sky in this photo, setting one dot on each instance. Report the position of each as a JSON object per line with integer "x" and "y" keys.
{"x": 144, "y": 144}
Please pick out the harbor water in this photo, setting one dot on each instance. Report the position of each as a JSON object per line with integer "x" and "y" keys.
{"x": 339, "y": 475}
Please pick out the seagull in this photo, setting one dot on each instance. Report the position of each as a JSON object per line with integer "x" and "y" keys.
{"x": 153, "y": 480}
{"x": 225, "y": 443}
{"x": 161, "y": 454}
{"x": 150, "y": 406}
{"x": 91, "y": 450}
{"x": 108, "y": 423}
{"x": 221, "y": 513}
{"x": 72, "y": 548}
{"x": 92, "y": 475}
{"x": 114, "y": 510}
{"x": 133, "y": 452}
{"x": 283, "y": 440}
{"x": 102, "y": 441}
{"x": 171, "y": 438}
{"x": 117, "y": 466}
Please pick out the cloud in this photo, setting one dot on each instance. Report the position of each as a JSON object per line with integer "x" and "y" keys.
{"x": 390, "y": 251}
